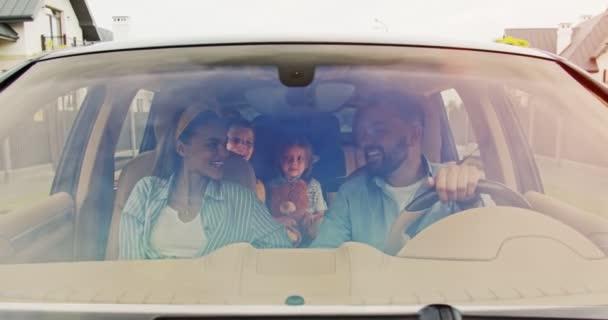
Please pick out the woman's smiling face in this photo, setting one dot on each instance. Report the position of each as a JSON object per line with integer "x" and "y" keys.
{"x": 206, "y": 151}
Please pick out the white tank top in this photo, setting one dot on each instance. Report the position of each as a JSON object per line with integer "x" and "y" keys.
{"x": 174, "y": 238}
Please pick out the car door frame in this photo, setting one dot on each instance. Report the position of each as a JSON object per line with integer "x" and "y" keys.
{"x": 479, "y": 113}
{"x": 526, "y": 171}
{"x": 528, "y": 176}
{"x": 94, "y": 195}
{"x": 44, "y": 231}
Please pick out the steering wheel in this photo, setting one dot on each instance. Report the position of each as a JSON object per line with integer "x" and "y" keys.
{"x": 397, "y": 236}
{"x": 495, "y": 189}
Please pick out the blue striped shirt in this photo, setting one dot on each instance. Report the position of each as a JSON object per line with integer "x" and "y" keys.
{"x": 229, "y": 213}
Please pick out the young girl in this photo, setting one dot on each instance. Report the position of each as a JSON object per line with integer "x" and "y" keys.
{"x": 296, "y": 199}
{"x": 241, "y": 138}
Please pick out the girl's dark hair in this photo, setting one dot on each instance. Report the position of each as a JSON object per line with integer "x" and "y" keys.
{"x": 168, "y": 161}
{"x": 296, "y": 141}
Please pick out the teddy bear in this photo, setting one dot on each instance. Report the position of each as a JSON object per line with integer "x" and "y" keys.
{"x": 289, "y": 206}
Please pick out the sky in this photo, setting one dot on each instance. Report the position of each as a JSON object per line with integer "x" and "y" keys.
{"x": 475, "y": 20}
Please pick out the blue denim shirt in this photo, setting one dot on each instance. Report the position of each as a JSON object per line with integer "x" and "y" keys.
{"x": 364, "y": 211}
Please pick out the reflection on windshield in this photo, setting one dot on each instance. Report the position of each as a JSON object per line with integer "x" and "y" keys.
{"x": 209, "y": 151}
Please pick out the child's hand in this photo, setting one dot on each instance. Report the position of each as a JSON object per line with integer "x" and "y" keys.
{"x": 312, "y": 222}
{"x": 300, "y": 215}
{"x": 294, "y": 236}
{"x": 287, "y": 221}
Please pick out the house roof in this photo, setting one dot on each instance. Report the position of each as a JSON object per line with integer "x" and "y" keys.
{"x": 26, "y": 10}
{"x": 19, "y": 10}
{"x": 85, "y": 19}
{"x": 105, "y": 34}
{"x": 7, "y": 33}
{"x": 540, "y": 38}
{"x": 589, "y": 40}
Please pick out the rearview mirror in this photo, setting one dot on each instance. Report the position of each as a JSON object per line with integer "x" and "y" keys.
{"x": 323, "y": 97}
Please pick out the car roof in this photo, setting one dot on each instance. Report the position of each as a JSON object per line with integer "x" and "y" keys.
{"x": 357, "y": 39}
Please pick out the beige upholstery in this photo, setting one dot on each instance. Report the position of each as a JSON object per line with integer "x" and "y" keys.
{"x": 520, "y": 271}
{"x": 431, "y": 136}
{"x": 457, "y": 236}
{"x": 26, "y": 222}
{"x": 136, "y": 169}
{"x": 354, "y": 158}
{"x": 593, "y": 226}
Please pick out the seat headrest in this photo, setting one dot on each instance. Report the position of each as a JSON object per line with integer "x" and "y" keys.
{"x": 170, "y": 105}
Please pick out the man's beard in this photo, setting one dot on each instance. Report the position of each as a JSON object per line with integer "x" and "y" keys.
{"x": 382, "y": 163}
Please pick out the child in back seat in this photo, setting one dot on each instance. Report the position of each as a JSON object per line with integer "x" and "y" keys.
{"x": 295, "y": 198}
{"x": 241, "y": 138}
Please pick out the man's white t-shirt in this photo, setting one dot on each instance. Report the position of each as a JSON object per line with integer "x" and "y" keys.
{"x": 404, "y": 195}
{"x": 174, "y": 238}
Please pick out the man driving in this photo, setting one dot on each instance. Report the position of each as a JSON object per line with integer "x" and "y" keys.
{"x": 389, "y": 131}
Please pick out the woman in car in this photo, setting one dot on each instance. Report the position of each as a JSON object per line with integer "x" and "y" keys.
{"x": 185, "y": 210}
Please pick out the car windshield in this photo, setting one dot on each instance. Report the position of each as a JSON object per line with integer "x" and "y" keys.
{"x": 334, "y": 174}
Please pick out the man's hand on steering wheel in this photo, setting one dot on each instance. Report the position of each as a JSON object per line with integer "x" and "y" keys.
{"x": 456, "y": 182}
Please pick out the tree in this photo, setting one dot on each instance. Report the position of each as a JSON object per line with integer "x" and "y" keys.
{"x": 513, "y": 41}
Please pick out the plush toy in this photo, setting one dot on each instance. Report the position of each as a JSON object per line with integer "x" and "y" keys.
{"x": 289, "y": 206}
